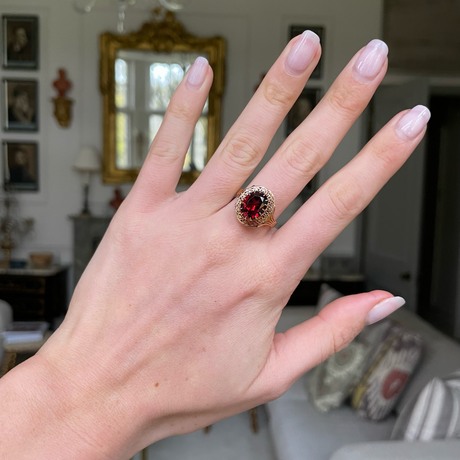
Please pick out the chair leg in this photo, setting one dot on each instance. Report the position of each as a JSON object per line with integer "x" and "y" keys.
{"x": 207, "y": 429}
{"x": 144, "y": 454}
{"x": 254, "y": 420}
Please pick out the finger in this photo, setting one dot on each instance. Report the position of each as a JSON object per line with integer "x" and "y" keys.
{"x": 311, "y": 145}
{"x": 248, "y": 139}
{"x": 162, "y": 168}
{"x": 306, "y": 345}
{"x": 320, "y": 220}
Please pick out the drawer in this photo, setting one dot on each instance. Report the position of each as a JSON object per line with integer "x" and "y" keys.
{"x": 22, "y": 284}
{"x": 28, "y": 309}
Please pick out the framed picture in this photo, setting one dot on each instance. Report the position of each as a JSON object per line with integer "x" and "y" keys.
{"x": 306, "y": 102}
{"x": 20, "y": 171}
{"x": 297, "y": 30}
{"x": 20, "y": 105}
{"x": 20, "y": 42}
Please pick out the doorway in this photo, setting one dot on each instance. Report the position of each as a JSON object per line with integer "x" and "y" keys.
{"x": 439, "y": 274}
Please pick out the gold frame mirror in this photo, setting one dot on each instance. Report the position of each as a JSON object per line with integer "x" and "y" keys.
{"x": 163, "y": 38}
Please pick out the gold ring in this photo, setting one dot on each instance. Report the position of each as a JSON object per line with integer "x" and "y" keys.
{"x": 255, "y": 207}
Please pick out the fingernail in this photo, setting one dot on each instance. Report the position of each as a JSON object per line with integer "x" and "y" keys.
{"x": 302, "y": 53}
{"x": 413, "y": 123}
{"x": 370, "y": 61}
{"x": 384, "y": 308}
{"x": 197, "y": 73}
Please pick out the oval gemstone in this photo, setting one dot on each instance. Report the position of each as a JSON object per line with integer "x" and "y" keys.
{"x": 253, "y": 206}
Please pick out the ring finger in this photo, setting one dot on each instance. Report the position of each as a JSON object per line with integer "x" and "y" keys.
{"x": 311, "y": 145}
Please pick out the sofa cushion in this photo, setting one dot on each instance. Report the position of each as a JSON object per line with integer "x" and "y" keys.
{"x": 327, "y": 294}
{"x": 6, "y": 317}
{"x": 291, "y": 316}
{"x": 433, "y": 414}
{"x": 441, "y": 355}
{"x": 334, "y": 380}
{"x": 395, "y": 360}
{"x": 300, "y": 432}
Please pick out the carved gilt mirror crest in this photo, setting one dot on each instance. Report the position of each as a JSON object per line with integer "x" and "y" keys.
{"x": 138, "y": 75}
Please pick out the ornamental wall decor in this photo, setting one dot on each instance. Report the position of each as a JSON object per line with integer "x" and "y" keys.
{"x": 139, "y": 73}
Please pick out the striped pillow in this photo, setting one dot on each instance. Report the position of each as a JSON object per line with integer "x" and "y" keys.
{"x": 433, "y": 414}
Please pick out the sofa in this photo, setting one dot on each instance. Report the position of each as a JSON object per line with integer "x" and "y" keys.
{"x": 6, "y": 317}
{"x": 300, "y": 432}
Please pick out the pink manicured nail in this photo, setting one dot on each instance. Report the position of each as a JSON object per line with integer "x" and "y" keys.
{"x": 197, "y": 73}
{"x": 370, "y": 61}
{"x": 413, "y": 123}
{"x": 302, "y": 53}
{"x": 384, "y": 308}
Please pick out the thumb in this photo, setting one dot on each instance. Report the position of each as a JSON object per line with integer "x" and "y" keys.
{"x": 304, "y": 346}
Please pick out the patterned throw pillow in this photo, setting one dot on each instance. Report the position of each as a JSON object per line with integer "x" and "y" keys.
{"x": 391, "y": 367}
{"x": 433, "y": 414}
{"x": 333, "y": 381}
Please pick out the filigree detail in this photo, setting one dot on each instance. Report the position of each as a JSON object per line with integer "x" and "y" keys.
{"x": 266, "y": 214}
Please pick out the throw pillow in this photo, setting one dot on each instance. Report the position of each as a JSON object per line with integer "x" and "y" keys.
{"x": 327, "y": 294}
{"x": 392, "y": 365}
{"x": 433, "y": 414}
{"x": 333, "y": 381}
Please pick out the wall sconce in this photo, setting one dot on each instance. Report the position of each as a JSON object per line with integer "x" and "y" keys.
{"x": 62, "y": 104}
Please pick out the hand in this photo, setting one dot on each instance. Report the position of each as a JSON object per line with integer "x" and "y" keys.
{"x": 172, "y": 325}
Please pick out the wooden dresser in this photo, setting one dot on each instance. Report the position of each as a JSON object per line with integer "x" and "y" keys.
{"x": 35, "y": 294}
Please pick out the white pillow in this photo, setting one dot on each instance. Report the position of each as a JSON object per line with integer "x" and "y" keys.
{"x": 327, "y": 294}
{"x": 433, "y": 414}
{"x": 6, "y": 315}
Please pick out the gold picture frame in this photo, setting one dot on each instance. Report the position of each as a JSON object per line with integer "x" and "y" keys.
{"x": 163, "y": 36}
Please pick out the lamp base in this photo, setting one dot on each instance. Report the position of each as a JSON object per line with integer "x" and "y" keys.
{"x": 85, "y": 212}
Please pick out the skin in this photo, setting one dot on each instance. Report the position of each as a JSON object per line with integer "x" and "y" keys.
{"x": 171, "y": 327}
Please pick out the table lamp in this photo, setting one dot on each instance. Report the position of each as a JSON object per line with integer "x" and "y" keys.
{"x": 88, "y": 161}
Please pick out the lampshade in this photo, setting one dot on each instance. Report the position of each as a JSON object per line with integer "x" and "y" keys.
{"x": 88, "y": 160}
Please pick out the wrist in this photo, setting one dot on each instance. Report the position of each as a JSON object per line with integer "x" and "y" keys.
{"x": 48, "y": 413}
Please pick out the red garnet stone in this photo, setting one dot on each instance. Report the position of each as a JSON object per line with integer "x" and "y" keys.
{"x": 253, "y": 206}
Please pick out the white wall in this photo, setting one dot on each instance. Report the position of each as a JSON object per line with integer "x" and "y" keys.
{"x": 255, "y": 30}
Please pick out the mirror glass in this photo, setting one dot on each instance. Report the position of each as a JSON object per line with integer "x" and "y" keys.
{"x": 144, "y": 84}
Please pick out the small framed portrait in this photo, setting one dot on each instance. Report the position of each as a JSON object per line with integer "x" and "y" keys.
{"x": 302, "y": 108}
{"x": 318, "y": 30}
{"x": 20, "y": 104}
{"x": 20, "y": 42}
{"x": 20, "y": 171}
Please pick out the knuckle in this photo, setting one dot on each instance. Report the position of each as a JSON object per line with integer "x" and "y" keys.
{"x": 345, "y": 101}
{"x": 344, "y": 336}
{"x": 180, "y": 111}
{"x": 346, "y": 199}
{"x": 241, "y": 150}
{"x": 340, "y": 337}
{"x": 304, "y": 158}
{"x": 164, "y": 150}
{"x": 276, "y": 95}
{"x": 387, "y": 154}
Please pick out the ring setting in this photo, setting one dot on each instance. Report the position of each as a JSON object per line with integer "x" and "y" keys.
{"x": 255, "y": 207}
